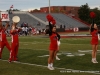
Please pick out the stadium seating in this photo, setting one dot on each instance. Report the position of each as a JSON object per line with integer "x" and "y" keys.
{"x": 43, "y": 17}
{"x": 27, "y": 19}
{"x": 68, "y": 21}
{"x": 61, "y": 19}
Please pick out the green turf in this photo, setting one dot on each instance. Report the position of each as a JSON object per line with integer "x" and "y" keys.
{"x": 32, "y": 47}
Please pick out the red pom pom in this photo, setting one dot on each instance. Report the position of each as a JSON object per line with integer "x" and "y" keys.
{"x": 53, "y": 22}
{"x": 92, "y": 15}
{"x": 49, "y": 17}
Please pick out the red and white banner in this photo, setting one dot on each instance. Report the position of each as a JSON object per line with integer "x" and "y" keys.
{"x": 5, "y": 16}
{"x": 76, "y": 29}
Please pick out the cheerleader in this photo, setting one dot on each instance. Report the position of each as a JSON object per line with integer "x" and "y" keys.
{"x": 54, "y": 37}
{"x": 3, "y": 38}
{"x": 58, "y": 42}
{"x": 94, "y": 42}
{"x": 53, "y": 48}
{"x": 14, "y": 43}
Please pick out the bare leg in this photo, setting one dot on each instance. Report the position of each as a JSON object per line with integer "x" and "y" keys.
{"x": 96, "y": 48}
{"x": 93, "y": 51}
{"x": 50, "y": 59}
{"x": 57, "y": 58}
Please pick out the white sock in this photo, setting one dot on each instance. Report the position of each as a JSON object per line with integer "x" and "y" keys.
{"x": 51, "y": 64}
{"x": 93, "y": 59}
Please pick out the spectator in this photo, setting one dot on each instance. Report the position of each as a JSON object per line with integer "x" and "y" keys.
{"x": 30, "y": 30}
{"x": 61, "y": 26}
{"x": 23, "y": 31}
{"x": 26, "y": 31}
{"x": 64, "y": 27}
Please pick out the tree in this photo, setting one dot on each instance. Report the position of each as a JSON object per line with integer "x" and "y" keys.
{"x": 15, "y": 10}
{"x": 97, "y": 12}
{"x": 36, "y": 10}
{"x": 84, "y": 12}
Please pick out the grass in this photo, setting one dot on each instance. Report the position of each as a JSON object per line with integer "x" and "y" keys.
{"x": 32, "y": 47}
{"x": 86, "y": 32}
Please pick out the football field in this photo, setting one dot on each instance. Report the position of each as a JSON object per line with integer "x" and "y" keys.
{"x": 75, "y": 55}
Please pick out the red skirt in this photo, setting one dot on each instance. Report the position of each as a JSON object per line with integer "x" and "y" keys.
{"x": 53, "y": 47}
{"x": 94, "y": 42}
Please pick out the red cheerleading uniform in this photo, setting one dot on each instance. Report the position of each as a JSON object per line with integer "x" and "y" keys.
{"x": 94, "y": 40}
{"x": 3, "y": 41}
{"x": 54, "y": 38}
{"x": 14, "y": 45}
{"x": 53, "y": 42}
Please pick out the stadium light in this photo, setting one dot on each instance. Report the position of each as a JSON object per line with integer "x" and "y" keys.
{"x": 49, "y": 7}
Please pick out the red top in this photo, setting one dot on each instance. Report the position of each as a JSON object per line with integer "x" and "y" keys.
{"x": 53, "y": 41}
{"x": 94, "y": 37}
{"x": 14, "y": 36}
{"x": 3, "y": 34}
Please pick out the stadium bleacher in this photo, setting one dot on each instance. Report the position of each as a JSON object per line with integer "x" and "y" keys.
{"x": 27, "y": 19}
{"x": 69, "y": 22}
{"x": 61, "y": 19}
{"x": 43, "y": 17}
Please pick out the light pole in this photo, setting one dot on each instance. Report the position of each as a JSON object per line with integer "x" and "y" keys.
{"x": 49, "y": 7}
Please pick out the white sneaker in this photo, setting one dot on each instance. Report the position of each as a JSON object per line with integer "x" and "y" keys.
{"x": 50, "y": 68}
{"x": 57, "y": 58}
{"x": 94, "y": 61}
{"x": 53, "y": 68}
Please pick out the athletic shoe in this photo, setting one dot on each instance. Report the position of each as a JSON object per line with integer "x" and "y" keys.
{"x": 50, "y": 68}
{"x": 94, "y": 61}
{"x": 57, "y": 58}
{"x": 53, "y": 68}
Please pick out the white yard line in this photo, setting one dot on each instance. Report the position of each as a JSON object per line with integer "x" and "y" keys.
{"x": 87, "y": 50}
{"x": 62, "y": 70}
{"x": 48, "y": 55}
{"x": 67, "y": 54}
{"x": 35, "y": 65}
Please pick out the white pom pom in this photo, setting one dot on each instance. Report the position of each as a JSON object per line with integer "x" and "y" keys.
{"x": 58, "y": 43}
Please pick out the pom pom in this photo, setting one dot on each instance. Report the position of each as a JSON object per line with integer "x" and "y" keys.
{"x": 92, "y": 15}
{"x": 49, "y": 17}
{"x": 53, "y": 22}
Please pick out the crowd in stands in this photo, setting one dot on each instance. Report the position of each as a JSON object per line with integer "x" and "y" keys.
{"x": 27, "y": 30}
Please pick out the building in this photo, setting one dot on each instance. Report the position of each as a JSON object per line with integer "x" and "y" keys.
{"x": 69, "y": 10}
